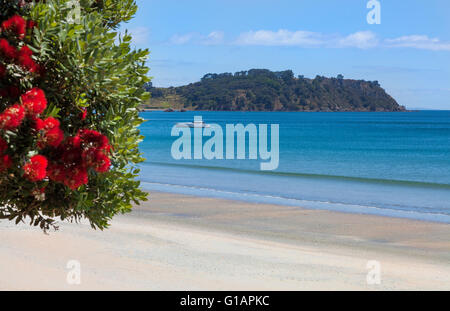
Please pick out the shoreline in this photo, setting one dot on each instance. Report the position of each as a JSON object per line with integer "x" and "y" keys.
{"x": 181, "y": 242}
{"x": 289, "y": 202}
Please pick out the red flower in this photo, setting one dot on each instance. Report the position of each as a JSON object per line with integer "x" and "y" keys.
{"x": 56, "y": 172}
{"x": 38, "y": 123}
{"x": 34, "y": 101}
{"x": 93, "y": 139}
{"x": 96, "y": 159}
{"x": 52, "y": 138}
{"x": 70, "y": 152}
{"x": 103, "y": 163}
{"x": 12, "y": 117}
{"x": 5, "y": 163}
{"x": 77, "y": 177}
{"x": 25, "y": 51}
{"x": 6, "y": 50}
{"x": 25, "y": 60}
{"x": 74, "y": 142}
{"x": 76, "y": 155}
{"x": 16, "y": 24}
{"x": 36, "y": 168}
{"x": 2, "y": 71}
{"x": 89, "y": 157}
{"x": 47, "y": 124}
{"x": 3, "y": 145}
{"x": 52, "y": 135}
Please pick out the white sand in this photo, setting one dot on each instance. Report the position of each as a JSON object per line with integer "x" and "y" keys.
{"x": 185, "y": 243}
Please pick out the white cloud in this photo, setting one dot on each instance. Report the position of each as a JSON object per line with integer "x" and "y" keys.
{"x": 360, "y": 39}
{"x": 213, "y": 38}
{"x": 182, "y": 39}
{"x": 281, "y": 37}
{"x": 308, "y": 39}
{"x": 419, "y": 42}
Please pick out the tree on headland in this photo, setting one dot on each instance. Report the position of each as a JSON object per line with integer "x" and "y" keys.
{"x": 70, "y": 86}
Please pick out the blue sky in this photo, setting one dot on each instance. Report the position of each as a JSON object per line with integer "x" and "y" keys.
{"x": 408, "y": 53}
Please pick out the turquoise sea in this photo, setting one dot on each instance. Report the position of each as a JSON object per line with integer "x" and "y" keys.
{"x": 392, "y": 164}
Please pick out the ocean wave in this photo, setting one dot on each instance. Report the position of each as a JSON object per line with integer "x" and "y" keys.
{"x": 311, "y": 176}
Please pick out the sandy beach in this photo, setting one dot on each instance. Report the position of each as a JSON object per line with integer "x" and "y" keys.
{"x": 177, "y": 242}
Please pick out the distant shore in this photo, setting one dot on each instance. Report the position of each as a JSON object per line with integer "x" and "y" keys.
{"x": 265, "y": 90}
{"x": 179, "y": 242}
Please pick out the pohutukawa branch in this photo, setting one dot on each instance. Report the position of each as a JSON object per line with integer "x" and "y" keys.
{"x": 68, "y": 117}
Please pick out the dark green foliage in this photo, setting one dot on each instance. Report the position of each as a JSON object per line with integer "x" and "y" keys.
{"x": 264, "y": 90}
